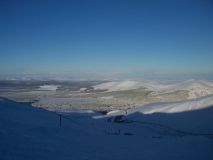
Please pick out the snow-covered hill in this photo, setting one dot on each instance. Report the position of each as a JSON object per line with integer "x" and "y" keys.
{"x": 173, "y": 108}
{"x": 117, "y": 85}
{"x": 195, "y": 88}
{"x": 32, "y": 133}
{"x": 181, "y": 106}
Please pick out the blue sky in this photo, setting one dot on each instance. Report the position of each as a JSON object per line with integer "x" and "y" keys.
{"x": 106, "y": 38}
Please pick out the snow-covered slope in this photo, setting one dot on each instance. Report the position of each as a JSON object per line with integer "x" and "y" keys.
{"x": 173, "y": 107}
{"x": 166, "y": 107}
{"x": 32, "y": 133}
{"x": 118, "y": 85}
{"x": 195, "y": 88}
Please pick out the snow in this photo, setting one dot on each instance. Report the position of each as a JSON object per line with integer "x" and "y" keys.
{"x": 116, "y": 86}
{"x": 32, "y": 133}
{"x": 48, "y": 88}
{"x": 174, "y": 107}
{"x": 115, "y": 112}
{"x": 195, "y": 88}
{"x": 106, "y": 97}
{"x": 83, "y": 89}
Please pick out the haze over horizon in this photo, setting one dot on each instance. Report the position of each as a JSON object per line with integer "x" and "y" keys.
{"x": 106, "y": 39}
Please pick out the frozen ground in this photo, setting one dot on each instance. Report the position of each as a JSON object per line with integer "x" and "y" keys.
{"x": 32, "y": 133}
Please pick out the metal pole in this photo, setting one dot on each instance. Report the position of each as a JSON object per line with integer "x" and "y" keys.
{"x": 60, "y": 120}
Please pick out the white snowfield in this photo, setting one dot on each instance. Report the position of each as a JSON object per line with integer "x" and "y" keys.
{"x": 83, "y": 89}
{"x": 48, "y": 88}
{"x": 195, "y": 88}
{"x": 174, "y": 107}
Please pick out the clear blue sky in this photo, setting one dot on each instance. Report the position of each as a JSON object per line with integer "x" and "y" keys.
{"x": 106, "y": 38}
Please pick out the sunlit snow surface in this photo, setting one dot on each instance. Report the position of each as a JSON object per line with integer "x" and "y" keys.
{"x": 195, "y": 88}
{"x": 48, "y": 87}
